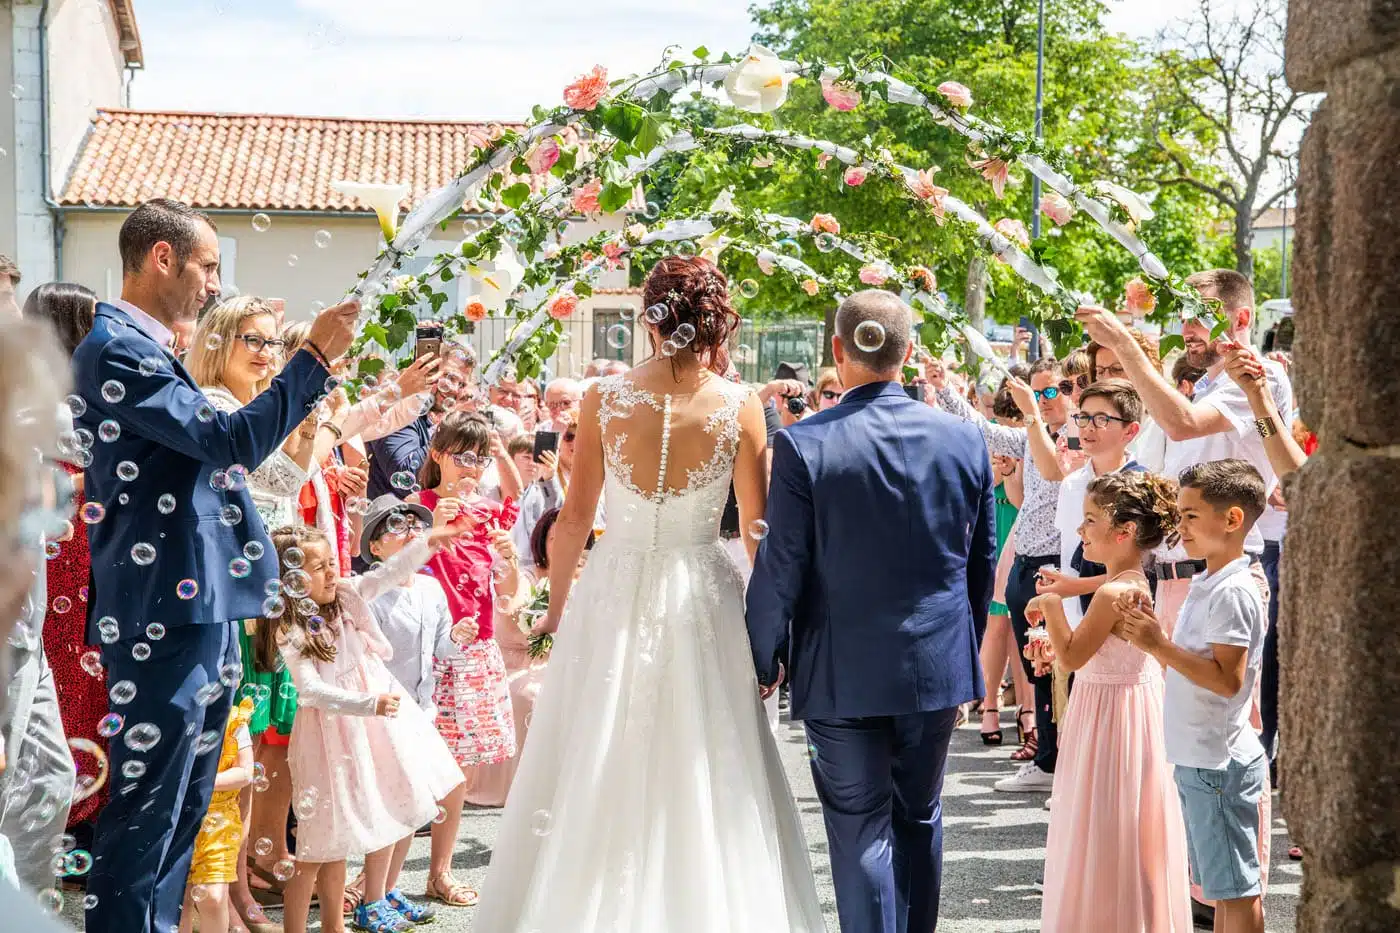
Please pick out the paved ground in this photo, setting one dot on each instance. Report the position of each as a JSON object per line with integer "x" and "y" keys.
{"x": 994, "y": 847}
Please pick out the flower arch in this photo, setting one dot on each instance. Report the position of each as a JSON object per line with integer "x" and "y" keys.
{"x": 637, "y": 127}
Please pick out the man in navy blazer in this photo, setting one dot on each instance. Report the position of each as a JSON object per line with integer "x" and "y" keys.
{"x": 179, "y": 556}
{"x": 870, "y": 592}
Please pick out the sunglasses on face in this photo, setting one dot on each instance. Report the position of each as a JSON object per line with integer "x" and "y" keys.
{"x": 831, "y": 396}
{"x": 468, "y": 460}
{"x": 1082, "y": 381}
{"x": 256, "y": 343}
{"x": 570, "y": 435}
{"x": 1099, "y": 420}
{"x": 1054, "y": 392}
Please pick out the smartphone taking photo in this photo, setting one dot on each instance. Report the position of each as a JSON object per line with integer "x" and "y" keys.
{"x": 427, "y": 339}
{"x": 546, "y": 441}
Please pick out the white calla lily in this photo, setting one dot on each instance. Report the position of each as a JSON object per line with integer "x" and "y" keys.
{"x": 499, "y": 281}
{"x": 712, "y": 245}
{"x": 1130, "y": 201}
{"x": 384, "y": 199}
{"x": 758, "y": 82}
{"x": 724, "y": 204}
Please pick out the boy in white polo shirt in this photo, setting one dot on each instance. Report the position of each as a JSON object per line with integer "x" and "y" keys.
{"x": 1213, "y": 659}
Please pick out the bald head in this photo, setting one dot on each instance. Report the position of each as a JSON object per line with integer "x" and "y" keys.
{"x": 875, "y": 330}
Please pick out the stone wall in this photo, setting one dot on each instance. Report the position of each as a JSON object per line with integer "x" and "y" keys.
{"x": 1340, "y": 621}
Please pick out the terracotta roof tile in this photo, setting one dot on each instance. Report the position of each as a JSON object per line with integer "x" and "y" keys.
{"x": 260, "y": 161}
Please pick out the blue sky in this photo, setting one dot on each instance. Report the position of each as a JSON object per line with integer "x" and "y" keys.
{"x": 475, "y": 59}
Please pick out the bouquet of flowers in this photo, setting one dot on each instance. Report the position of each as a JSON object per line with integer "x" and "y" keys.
{"x": 538, "y": 643}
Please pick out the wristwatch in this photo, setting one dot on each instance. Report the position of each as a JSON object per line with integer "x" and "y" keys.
{"x": 1265, "y": 427}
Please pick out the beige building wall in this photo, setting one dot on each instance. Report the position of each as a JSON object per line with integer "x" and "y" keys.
{"x": 8, "y": 232}
{"x": 85, "y": 72}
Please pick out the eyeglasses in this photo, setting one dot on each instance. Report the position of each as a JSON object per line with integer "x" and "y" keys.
{"x": 832, "y": 396}
{"x": 256, "y": 343}
{"x": 468, "y": 460}
{"x": 1116, "y": 371}
{"x": 561, "y": 404}
{"x": 1052, "y": 392}
{"x": 411, "y": 527}
{"x": 1099, "y": 420}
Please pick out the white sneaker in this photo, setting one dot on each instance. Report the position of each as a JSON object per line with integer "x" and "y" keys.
{"x": 1029, "y": 780}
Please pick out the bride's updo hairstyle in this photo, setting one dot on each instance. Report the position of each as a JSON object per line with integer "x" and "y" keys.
{"x": 693, "y": 292}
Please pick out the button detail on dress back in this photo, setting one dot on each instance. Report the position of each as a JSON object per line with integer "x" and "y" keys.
{"x": 665, "y": 447}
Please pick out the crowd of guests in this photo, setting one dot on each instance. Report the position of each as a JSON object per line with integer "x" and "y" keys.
{"x": 404, "y": 536}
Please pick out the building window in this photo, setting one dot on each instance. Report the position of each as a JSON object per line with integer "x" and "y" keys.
{"x": 228, "y": 263}
{"x": 602, "y": 320}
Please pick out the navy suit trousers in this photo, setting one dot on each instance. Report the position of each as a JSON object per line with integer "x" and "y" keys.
{"x": 145, "y": 836}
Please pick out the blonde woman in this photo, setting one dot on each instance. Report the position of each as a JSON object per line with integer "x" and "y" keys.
{"x": 828, "y": 392}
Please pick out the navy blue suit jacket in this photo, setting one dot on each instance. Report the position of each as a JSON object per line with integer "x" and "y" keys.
{"x": 177, "y": 441}
{"x": 873, "y": 583}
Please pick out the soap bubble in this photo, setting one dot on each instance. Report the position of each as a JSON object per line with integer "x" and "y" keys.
{"x": 657, "y": 313}
{"x": 110, "y": 725}
{"x": 62, "y": 604}
{"x": 165, "y": 504}
{"x": 208, "y": 741}
{"x": 50, "y": 900}
{"x": 213, "y": 342}
{"x": 230, "y": 515}
{"x": 142, "y": 737}
{"x": 199, "y": 893}
{"x": 293, "y": 557}
{"x": 77, "y": 405}
{"x": 113, "y": 391}
{"x": 748, "y": 288}
{"x": 869, "y": 336}
{"x": 230, "y": 673}
{"x": 304, "y": 806}
{"x": 155, "y": 631}
{"x": 261, "y": 222}
{"x": 133, "y": 769}
{"x": 218, "y": 480}
{"x": 684, "y": 334}
{"x": 89, "y": 902}
{"x": 91, "y": 663}
{"x": 284, "y": 869}
{"x": 253, "y": 550}
{"x": 402, "y": 480}
{"x": 273, "y": 607}
{"x": 187, "y": 589}
{"x": 52, "y": 549}
{"x": 93, "y": 512}
{"x": 109, "y": 430}
{"x": 208, "y": 693}
{"x": 619, "y": 336}
{"x": 262, "y": 847}
{"x": 140, "y": 651}
{"x": 123, "y": 499}
{"x": 541, "y": 822}
{"x": 323, "y": 238}
{"x": 272, "y": 587}
{"x": 122, "y": 692}
{"x": 127, "y": 471}
{"x": 826, "y": 242}
{"x": 237, "y": 477}
{"x": 758, "y": 529}
{"x": 790, "y": 247}
{"x": 651, "y": 211}
{"x": 358, "y": 505}
{"x": 149, "y": 365}
{"x": 685, "y": 249}
{"x": 78, "y": 862}
{"x": 669, "y": 348}
{"x": 108, "y": 629}
{"x": 239, "y": 568}
{"x": 204, "y": 412}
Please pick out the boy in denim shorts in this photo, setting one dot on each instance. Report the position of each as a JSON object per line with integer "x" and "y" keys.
{"x": 1213, "y": 660}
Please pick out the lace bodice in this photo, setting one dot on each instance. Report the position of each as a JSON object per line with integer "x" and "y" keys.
{"x": 1120, "y": 662}
{"x": 669, "y": 460}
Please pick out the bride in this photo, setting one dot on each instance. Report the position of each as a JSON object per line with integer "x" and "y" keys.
{"x": 650, "y": 796}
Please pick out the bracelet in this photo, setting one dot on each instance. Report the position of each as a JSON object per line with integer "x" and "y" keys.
{"x": 318, "y": 353}
{"x": 333, "y": 429}
{"x": 1265, "y": 427}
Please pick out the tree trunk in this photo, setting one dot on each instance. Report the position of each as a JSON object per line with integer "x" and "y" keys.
{"x": 975, "y": 300}
{"x": 1244, "y": 241}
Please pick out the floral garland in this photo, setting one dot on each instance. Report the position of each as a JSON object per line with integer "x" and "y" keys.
{"x": 636, "y": 115}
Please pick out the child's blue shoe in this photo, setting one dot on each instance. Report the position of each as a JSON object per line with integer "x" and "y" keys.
{"x": 380, "y": 917}
{"x": 414, "y": 913}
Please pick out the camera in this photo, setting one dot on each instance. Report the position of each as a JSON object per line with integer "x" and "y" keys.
{"x": 796, "y": 405}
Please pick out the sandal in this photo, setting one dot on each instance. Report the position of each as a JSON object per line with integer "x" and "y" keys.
{"x": 353, "y": 897}
{"x": 991, "y": 736}
{"x": 1029, "y": 744}
{"x": 270, "y": 896}
{"x": 414, "y": 913}
{"x": 380, "y": 917}
{"x": 454, "y": 894}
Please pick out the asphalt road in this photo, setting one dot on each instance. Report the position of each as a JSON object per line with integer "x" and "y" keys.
{"x": 994, "y": 846}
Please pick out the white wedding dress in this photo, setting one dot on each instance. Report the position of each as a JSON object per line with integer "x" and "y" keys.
{"x": 651, "y": 797}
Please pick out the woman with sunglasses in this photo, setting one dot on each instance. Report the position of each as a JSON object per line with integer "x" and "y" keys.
{"x": 828, "y": 392}
{"x": 480, "y": 573}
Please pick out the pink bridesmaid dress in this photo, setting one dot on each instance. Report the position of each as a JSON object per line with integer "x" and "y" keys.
{"x": 1116, "y": 856}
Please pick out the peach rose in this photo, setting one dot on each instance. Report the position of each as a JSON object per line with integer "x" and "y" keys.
{"x": 855, "y": 176}
{"x": 842, "y": 95}
{"x": 614, "y": 253}
{"x": 958, "y": 95}
{"x": 586, "y": 197}
{"x": 925, "y": 190}
{"x": 563, "y": 305}
{"x": 873, "y": 275}
{"x": 811, "y": 287}
{"x": 542, "y": 158}
{"x": 1013, "y": 230}
{"x": 1055, "y": 206}
{"x": 924, "y": 279}
{"x": 995, "y": 171}
{"x": 588, "y": 90}
{"x": 1139, "y": 296}
{"x": 475, "y": 310}
{"x": 825, "y": 223}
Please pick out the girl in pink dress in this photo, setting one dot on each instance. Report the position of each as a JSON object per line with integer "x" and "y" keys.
{"x": 367, "y": 769}
{"x": 476, "y": 570}
{"x": 1115, "y": 858}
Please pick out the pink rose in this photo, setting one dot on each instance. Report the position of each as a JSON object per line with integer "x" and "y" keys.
{"x": 958, "y": 95}
{"x": 614, "y": 253}
{"x": 542, "y": 158}
{"x": 1056, "y": 207}
{"x": 1139, "y": 296}
{"x": 873, "y": 275}
{"x": 825, "y": 223}
{"x": 855, "y": 176}
{"x": 811, "y": 287}
{"x": 586, "y": 197}
{"x": 1013, "y": 230}
{"x": 563, "y": 305}
{"x": 475, "y": 310}
{"x": 588, "y": 90}
{"x": 925, "y": 190}
{"x": 842, "y": 95}
{"x": 924, "y": 278}
{"x": 995, "y": 171}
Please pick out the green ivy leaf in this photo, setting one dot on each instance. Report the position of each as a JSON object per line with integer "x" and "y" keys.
{"x": 614, "y": 197}
{"x": 655, "y": 129}
{"x": 1170, "y": 343}
{"x": 583, "y": 290}
{"x": 438, "y": 299}
{"x": 447, "y": 275}
{"x": 701, "y": 53}
{"x": 376, "y": 333}
{"x": 624, "y": 120}
{"x": 568, "y": 158}
{"x": 389, "y": 302}
{"x": 515, "y": 195}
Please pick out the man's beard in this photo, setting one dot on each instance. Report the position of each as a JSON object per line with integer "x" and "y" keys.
{"x": 1204, "y": 358}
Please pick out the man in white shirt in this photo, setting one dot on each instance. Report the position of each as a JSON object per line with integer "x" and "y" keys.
{"x": 1216, "y": 425}
{"x": 562, "y": 398}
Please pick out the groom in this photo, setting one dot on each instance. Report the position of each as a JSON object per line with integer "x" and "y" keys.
{"x": 870, "y": 590}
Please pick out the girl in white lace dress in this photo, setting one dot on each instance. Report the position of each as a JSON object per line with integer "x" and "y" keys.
{"x": 651, "y": 796}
